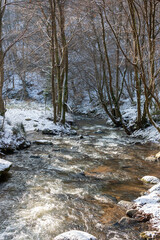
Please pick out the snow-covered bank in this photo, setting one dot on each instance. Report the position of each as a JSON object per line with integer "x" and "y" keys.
{"x": 129, "y": 113}
{"x": 22, "y": 117}
{"x": 34, "y": 116}
{"x": 150, "y": 204}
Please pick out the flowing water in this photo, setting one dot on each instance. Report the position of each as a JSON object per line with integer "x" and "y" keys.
{"x": 74, "y": 184}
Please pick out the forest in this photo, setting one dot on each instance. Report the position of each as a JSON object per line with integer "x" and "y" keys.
{"x": 103, "y": 49}
{"x": 79, "y": 107}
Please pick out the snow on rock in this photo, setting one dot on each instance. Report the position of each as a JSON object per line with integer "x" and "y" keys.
{"x": 4, "y": 166}
{"x": 150, "y": 204}
{"x": 155, "y": 188}
{"x": 12, "y": 137}
{"x": 148, "y": 235}
{"x": 75, "y": 235}
{"x": 150, "y": 179}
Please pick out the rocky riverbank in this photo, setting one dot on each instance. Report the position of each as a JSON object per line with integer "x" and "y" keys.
{"x": 145, "y": 209}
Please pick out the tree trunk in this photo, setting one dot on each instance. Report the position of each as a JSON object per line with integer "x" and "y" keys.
{"x": 53, "y": 22}
{"x": 2, "y": 108}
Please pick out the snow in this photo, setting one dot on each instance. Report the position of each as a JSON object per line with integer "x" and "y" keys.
{"x": 4, "y": 165}
{"x": 129, "y": 113}
{"x": 34, "y": 116}
{"x": 150, "y": 204}
{"x": 75, "y": 235}
{"x": 30, "y": 116}
{"x": 11, "y": 136}
{"x": 149, "y": 134}
{"x": 150, "y": 179}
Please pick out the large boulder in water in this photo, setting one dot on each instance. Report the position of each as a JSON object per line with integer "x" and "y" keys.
{"x": 4, "y": 166}
{"x": 75, "y": 235}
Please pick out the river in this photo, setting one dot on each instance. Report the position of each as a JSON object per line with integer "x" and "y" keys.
{"x": 74, "y": 184}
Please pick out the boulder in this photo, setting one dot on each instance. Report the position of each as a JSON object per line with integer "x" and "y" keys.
{"x": 75, "y": 235}
{"x": 4, "y": 166}
{"x": 125, "y": 221}
{"x": 131, "y": 212}
{"x": 150, "y": 179}
{"x": 50, "y": 131}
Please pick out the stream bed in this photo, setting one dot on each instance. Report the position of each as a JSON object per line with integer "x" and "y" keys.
{"x": 74, "y": 183}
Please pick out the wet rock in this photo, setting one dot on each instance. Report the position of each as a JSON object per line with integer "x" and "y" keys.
{"x": 7, "y": 148}
{"x": 126, "y": 204}
{"x": 125, "y": 221}
{"x": 22, "y": 143}
{"x": 4, "y": 166}
{"x": 75, "y": 235}
{"x": 43, "y": 142}
{"x": 50, "y": 131}
{"x": 150, "y": 179}
{"x": 131, "y": 213}
{"x": 55, "y": 132}
{"x": 81, "y": 137}
{"x": 35, "y": 156}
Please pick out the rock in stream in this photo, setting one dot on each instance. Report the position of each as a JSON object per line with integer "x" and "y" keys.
{"x": 4, "y": 166}
{"x": 75, "y": 235}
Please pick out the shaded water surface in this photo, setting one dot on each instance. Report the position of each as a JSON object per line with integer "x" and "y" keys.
{"x": 74, "y": 184}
